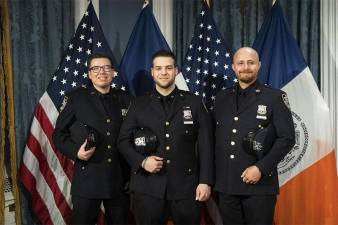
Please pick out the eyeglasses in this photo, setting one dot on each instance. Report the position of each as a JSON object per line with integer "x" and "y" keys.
{"x": 105, "y": 68}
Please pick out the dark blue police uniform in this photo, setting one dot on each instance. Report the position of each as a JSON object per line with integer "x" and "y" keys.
{"x": 238, "y": 112}
{"x": 183, "y": 129}
{"x": 104, "y": 175}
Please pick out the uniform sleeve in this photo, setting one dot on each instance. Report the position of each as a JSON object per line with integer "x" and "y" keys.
{"x": 125, "y": 140}
{"x": 61, "y": 136}
{"x": 205, "y": 146}
{"x": 285, "y": 137}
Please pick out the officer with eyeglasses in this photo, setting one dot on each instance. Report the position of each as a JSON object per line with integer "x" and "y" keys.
{"x": 86, "y": 132}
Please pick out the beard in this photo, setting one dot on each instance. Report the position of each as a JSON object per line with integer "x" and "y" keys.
{"x": 247, "y": 79}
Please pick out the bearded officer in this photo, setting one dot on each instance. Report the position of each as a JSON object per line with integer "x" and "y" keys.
{"x": 248, "y": 184}
{"x": 176, "y": 178}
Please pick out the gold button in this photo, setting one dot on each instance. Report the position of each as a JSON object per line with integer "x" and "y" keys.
{"x": 168, "y": 161}
{"x": 234, "y": 131}
{"x": 108, "y": 133}
{"x": 232, "y": 156}
{"x": 167, "y": 148}
{"x": 167, "y": 135}
{"x": 236, "y": 118}
{"x": 109, "y": 146}
{"x": 167, "y": 123}
{"x": 109, "y": 160}
{"x": 232, "y": 143}
{"x": 108, "y": 120}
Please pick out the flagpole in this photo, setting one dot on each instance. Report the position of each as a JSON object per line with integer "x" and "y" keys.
{"x": 145, "y": 3}
{"x": 80, "y": 7}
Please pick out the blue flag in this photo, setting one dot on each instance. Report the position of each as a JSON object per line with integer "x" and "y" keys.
{"x": 135, "y": 65}
{"x": 207, "y": 64}
{"x": 280, "y": 55}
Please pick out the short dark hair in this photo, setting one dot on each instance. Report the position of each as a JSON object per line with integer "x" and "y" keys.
{"x": 96, "y": 56}
{"x": 163, "y": 53}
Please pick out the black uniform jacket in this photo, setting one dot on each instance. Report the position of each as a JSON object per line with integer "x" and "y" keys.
{"x": 102, "y": 175}
{"x": 185, "y": 143}
{"x": 263, "y": 105}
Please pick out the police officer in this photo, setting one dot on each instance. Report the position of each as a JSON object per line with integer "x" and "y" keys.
{"x": 177, "y": 177}
{"x": 247, "y": 184}
{"x": 99, "y": 174}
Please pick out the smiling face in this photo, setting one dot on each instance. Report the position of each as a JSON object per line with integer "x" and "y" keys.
{"x": 246, "y": 65}
{"x": 101, "y": 74}
{"x": 164, "y": 72}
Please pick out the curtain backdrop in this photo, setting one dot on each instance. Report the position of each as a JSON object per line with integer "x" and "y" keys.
{"x": 239, "y": 21}
{"x": 40, "y": 31}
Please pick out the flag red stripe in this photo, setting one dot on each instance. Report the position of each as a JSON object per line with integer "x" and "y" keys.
{"x": 39, "y": 206}
{"x": 48, "y": 129}
{"x": 47, "y": 173}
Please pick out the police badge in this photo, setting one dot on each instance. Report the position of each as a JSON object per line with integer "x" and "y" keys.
{"x": 261, "y": 112}
{"x": 187, "y": 115}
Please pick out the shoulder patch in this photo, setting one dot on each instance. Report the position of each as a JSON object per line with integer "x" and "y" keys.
{"x": 205, "y": 107}
{"x": 286, "y": 100}
{"x": 64, "y": 103}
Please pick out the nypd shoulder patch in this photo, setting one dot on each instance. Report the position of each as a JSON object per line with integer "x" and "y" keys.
{"x": 64, "y": 103}
{"x": 286, "y": 100}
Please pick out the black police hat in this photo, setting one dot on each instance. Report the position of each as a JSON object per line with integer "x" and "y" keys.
{"x": 259, "y": 142}
{"x": 145, "y": 141}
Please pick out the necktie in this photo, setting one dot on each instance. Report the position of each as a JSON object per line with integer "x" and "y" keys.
{"x": 165, "y": 100}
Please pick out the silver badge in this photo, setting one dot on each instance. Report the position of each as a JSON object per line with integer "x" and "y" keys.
{"x": 140, "y": 141}
{"x": 261, "y": 112}
{"x": 187, "y": 115}
{"x": 257, "y": 146}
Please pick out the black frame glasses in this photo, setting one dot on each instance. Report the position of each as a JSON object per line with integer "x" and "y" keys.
{"x": 105, "y": 68}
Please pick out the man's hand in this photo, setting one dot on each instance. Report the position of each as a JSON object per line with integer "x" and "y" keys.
{"x": 251, "y": 175}
{"x": 203, "y": 192}
{"x": 85, "y": 154}
{"x": 153, "y": 164}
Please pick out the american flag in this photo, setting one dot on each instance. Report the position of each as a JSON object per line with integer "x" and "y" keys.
{"x": 45, "y": 172}
{"x": 207, "y": 64}
{"x": 207, "y": 70}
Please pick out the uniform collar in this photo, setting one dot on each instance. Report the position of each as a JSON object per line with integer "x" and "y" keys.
{"x": 172, "y": 95}
{"x": 94, "y": 91}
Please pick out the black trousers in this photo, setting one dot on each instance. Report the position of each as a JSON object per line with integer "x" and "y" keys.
{"x": 86, "y": 211}
{"x": 151, "y": 210}
{"x": 247, "y": 209}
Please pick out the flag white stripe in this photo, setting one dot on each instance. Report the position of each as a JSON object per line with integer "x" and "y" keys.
{"x": 49, "y": 107}
{"x": 180, "y": 82}
{"x": 52, "y": 160}
{"x": 307, "y": 102}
